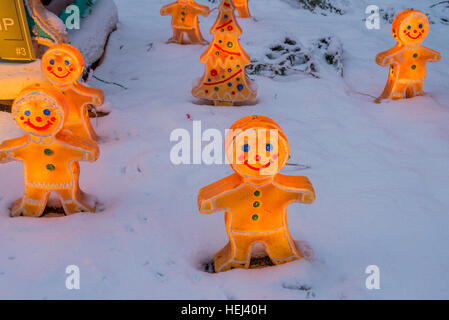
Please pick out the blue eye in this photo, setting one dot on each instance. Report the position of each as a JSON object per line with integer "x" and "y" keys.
{"x": 47, "y": 112}
{"x": 52, "y": 62}
{"x": 245, "y": 148}
{"x": 409, "y": 27}
{"x": 27, "y": 113}
{"x": 269, "y": 147}
{"x": 420, "y": 26}
{"x": 67, "y": 62}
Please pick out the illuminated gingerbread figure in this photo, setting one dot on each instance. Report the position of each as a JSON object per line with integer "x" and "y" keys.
{"x": 63, "y": 65}
{"x": 256, "y": 196}
{"x": 50, "y": 156}
{"x": 224, "y": 81}
{"x": 185, "y": 20}
{"x": 407, "y": 59}
{"x": 242, "y": 8}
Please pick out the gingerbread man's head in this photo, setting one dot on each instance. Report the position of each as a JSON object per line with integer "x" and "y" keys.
{"x": 62, "y": 64}
{"x": 256, "y": 147}
{"x": 410, "y": 27}
{"x": 40, "y": 110}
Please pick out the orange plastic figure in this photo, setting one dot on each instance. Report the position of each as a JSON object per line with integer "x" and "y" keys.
{"x": 63, "y": 65}
{"x": 185, "y": 20}
{"x": 50, "y": 156}
{"x": 256, "y": 196}
{"x": 224, "y": 80}
{"x": 407, "y": 59}
{"x": 242, "y": 8}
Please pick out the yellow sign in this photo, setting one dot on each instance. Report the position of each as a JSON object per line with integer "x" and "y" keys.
{"x": 15, "y": 40}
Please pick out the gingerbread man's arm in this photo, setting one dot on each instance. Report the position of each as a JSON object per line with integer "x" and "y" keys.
{"x": 298, "y": 185}
{"x": 9, "y": 147}
{"x": 202, "y": 10}
{"x": 167, "y": 9}
{"x": 92, "y": 95}
{"x": 88, "y": 149}
{"x": 210, "y": 198}
{"x": 431, "y": 55}
{"x": 386, "y": 58}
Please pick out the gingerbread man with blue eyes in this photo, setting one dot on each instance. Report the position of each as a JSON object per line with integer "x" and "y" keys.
{"x": 408, "y": 58}
{"x": 63, "y": 65}
{"x": 49, "y": 154}
{"x": 185, "y": 20}
{"x": 255, "y": 198}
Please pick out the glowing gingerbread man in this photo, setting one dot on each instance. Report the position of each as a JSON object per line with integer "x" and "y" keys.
{"x": 242, "y": 8}
{"x": 63, "y": 65}
{"x": 50, "y": 156}
{"x": 185, "y": 20}
{"x": 256, "y": 196}
{"x": 407, "y": 59}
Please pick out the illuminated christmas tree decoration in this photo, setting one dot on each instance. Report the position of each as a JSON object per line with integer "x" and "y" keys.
{"x": 256, "y": 196}
{"x": 407, "y": 59}
{"x": 63, "y": 65}
{"x": 224, "y": 80}
{"x": 242, "y": 8}
{"x": 185, "y": 20}
{"x": 49, "y": 154}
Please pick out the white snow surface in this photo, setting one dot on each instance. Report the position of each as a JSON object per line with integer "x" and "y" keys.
{"x": 381, "y": 173}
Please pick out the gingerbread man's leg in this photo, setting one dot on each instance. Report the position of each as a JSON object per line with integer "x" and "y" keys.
{"x": 73, "y": 201}
{"x": 418, "y": 88}
{"x": 280, "y": 247}
{"x": 32, "y": 203}
{"x": 236, "y": 254}
{"x": 389, "y": 88}
{"x": 400, "y": 90}
{"x": 178, "y": 35}
{"x": 196, "y": 37}
{"x": 393, "y": 89}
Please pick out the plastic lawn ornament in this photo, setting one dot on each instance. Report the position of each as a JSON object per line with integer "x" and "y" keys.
{"x": 242, "y": 8}
{"x": 407, "y": 59}
{"x": 50, "y": 155}
{"x": 63, "y": 65}
{"x": 224, "y": 80}
{"x": 185, "y": 20}
{"x": 256, "y": 196}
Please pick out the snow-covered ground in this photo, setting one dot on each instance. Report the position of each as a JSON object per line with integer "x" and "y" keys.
{"x": 381, "y": 172}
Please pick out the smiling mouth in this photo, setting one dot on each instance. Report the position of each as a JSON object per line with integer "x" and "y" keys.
{"x": 60, "y": 77}
{"x": 257, "y": 169}
{"x": 44, "y": 127}
{"x": 414, "y": 38}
